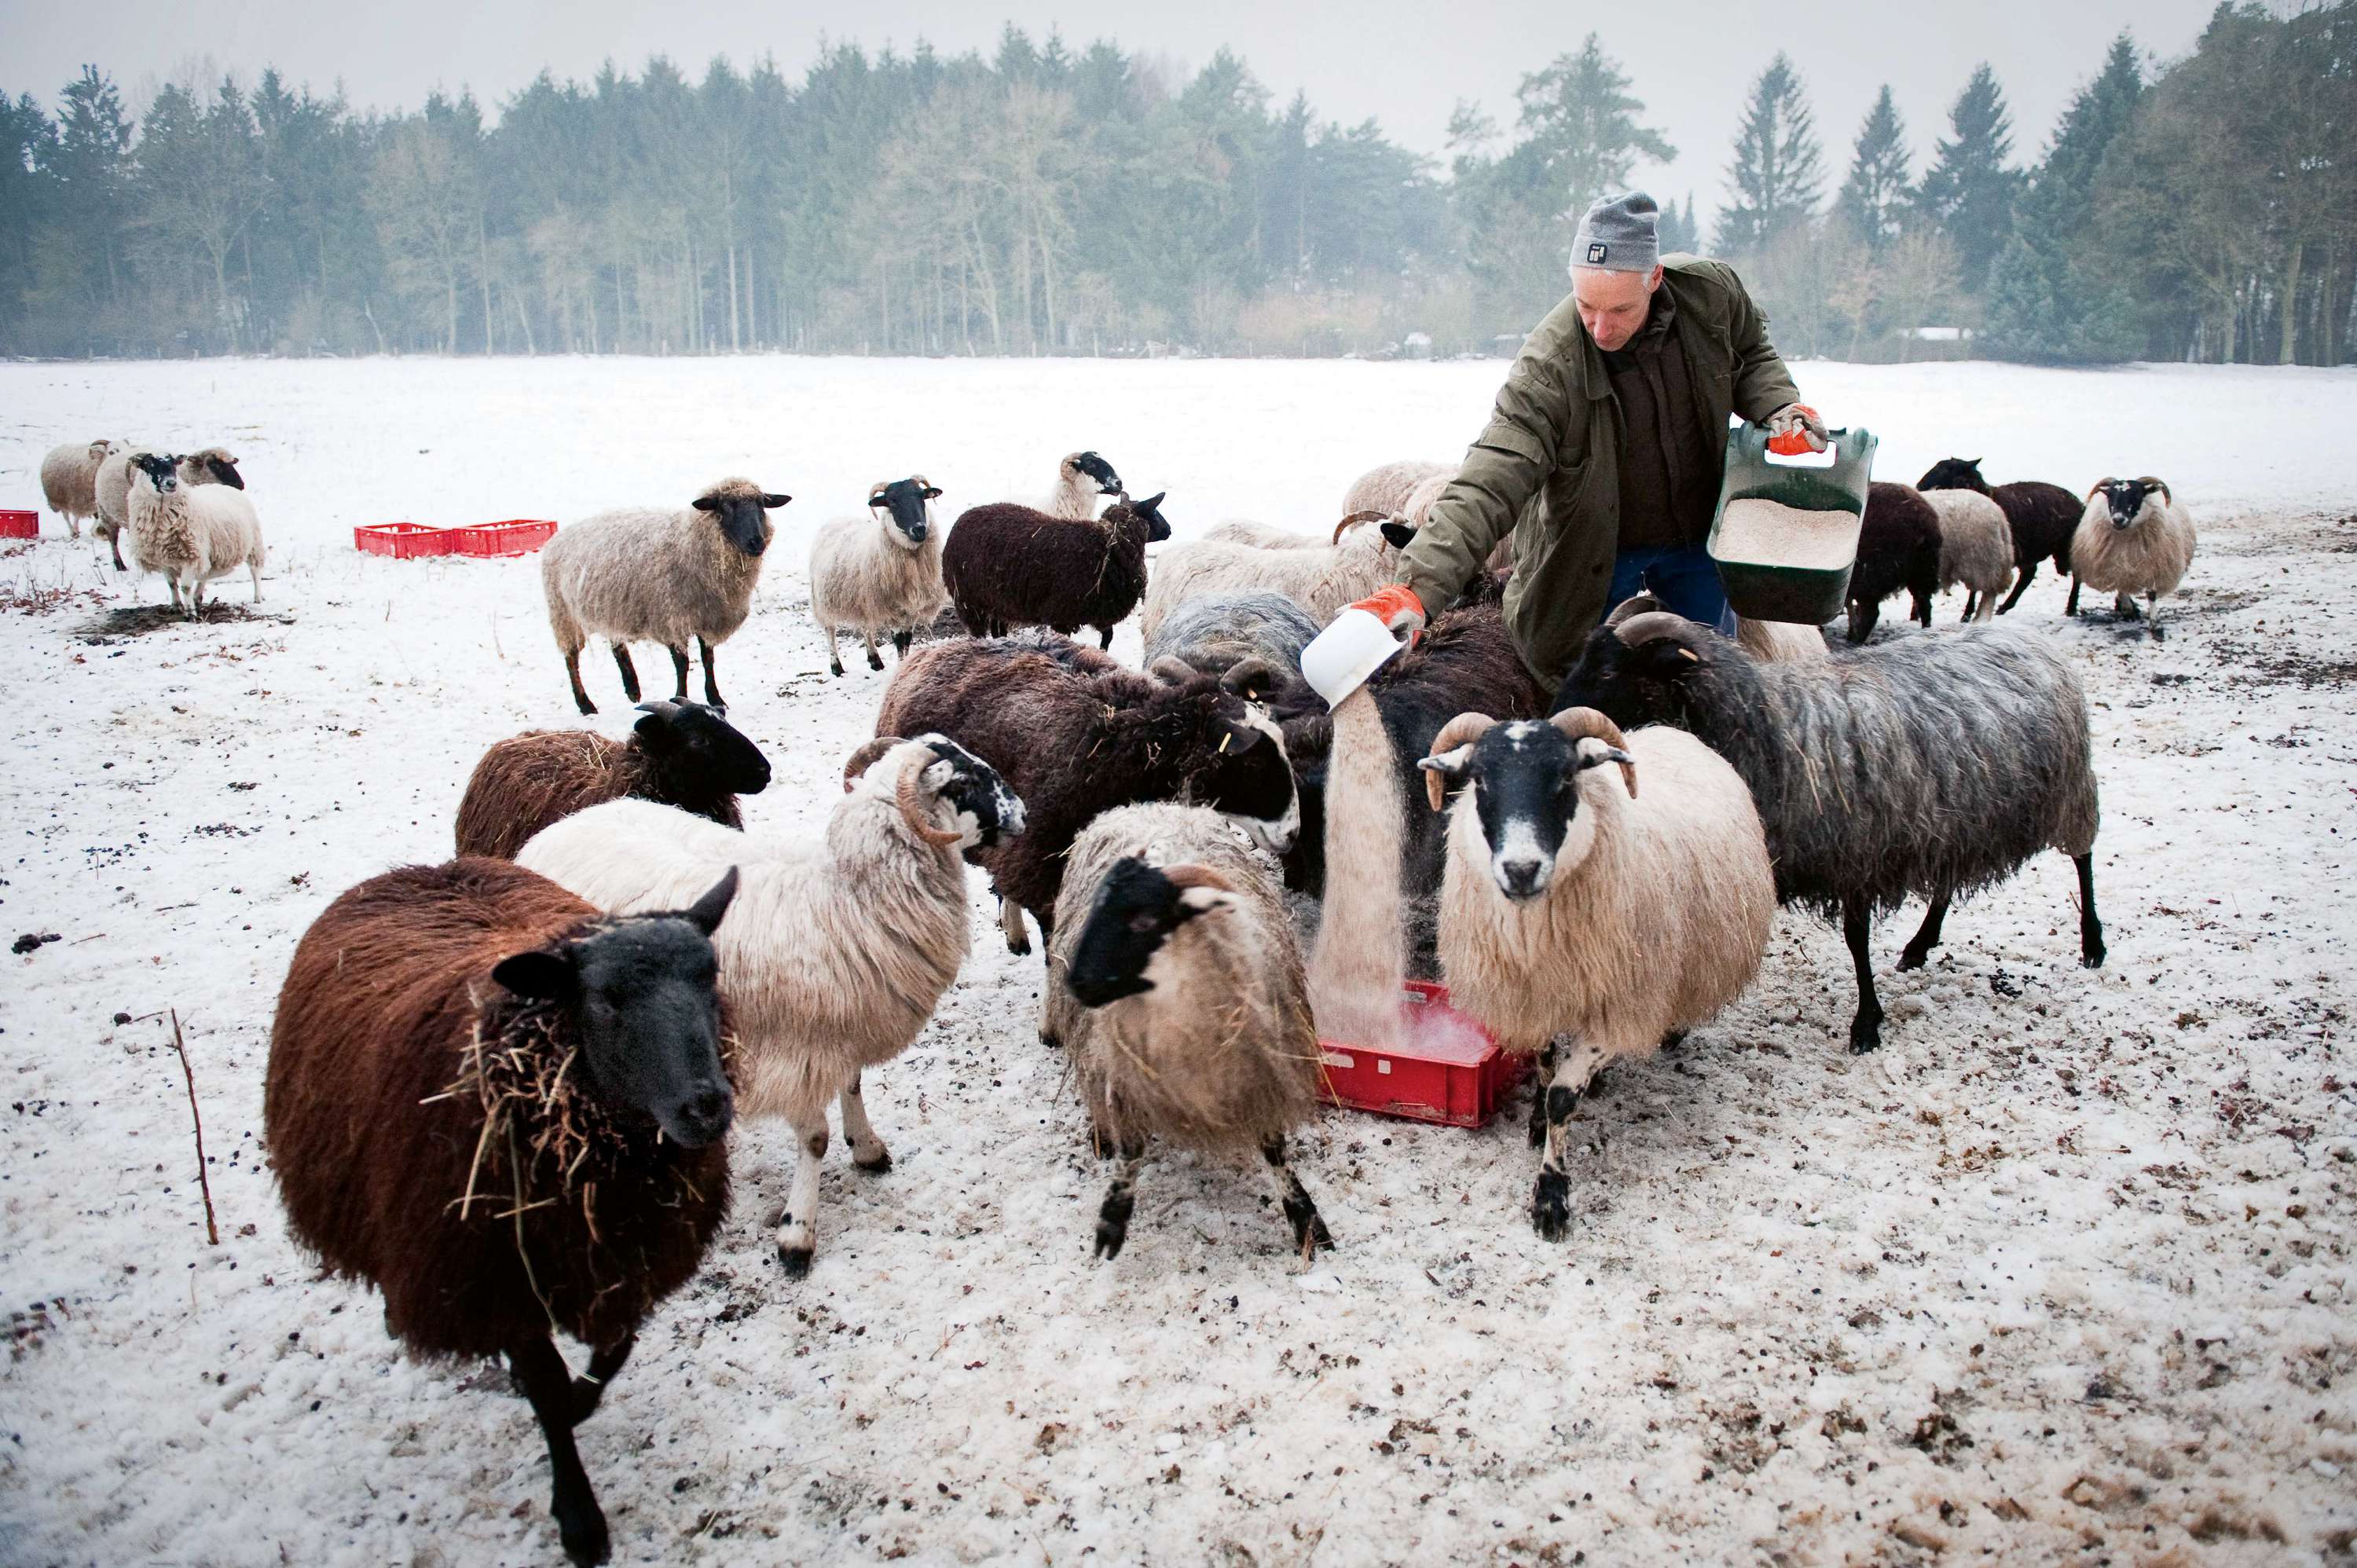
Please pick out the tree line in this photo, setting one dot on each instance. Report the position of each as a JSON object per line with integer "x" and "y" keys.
{"x": 1049, "y": 201}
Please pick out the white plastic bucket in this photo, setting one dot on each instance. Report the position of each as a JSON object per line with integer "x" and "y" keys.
{"x": 1339, "y": 660}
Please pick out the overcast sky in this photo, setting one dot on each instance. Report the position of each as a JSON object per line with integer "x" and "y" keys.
{"x": 1402, "y": 62}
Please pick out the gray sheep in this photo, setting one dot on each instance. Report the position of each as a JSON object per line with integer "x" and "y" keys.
{"x": 1211, "y": 634}
{"x": 69, "y": 479}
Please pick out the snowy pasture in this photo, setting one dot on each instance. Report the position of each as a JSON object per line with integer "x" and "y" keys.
{"x": 2062, "y": 1273}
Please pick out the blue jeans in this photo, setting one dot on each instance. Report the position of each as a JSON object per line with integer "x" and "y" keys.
{"x": 1684, "y": 580}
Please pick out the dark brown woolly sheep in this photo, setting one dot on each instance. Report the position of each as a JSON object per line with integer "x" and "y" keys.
{"x": 2042, "y": 517}
{"x": 680, "y": 754}
{"x": 1075, "y": 732}
{"x": 1007, "y": 566}
{"x": 451, "y": 1122}
{"x": 1897, "y": 547}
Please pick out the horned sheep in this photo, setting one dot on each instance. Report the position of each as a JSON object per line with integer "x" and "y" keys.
{"x": 1212, "y": 633}
{"x": 836, "y": 951}
{"x": 651, "y": 574}
{"x": 1007, "y": 566}
{"x": 190, "y": 534}
{"x": 2133, "y": 539}
{"x": 880, "y": 572}
{"x": 505, "y": 1110}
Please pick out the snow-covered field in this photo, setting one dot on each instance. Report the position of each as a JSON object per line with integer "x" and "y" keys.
{"x": 2062, "y": 1273}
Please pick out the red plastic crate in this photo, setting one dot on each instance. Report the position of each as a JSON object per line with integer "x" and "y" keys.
{"x": 400, "y": 541}
{"x": 1457, "y": 1080}
{"x": 20, "y": 525}
{"x": 516, "y": 536}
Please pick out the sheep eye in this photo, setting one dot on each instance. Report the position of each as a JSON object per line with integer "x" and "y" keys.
{"x": 1145, "y": 924}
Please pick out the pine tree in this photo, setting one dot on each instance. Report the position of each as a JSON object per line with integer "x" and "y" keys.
{"x": 1778, "y": 169}
{"x": 1873, "y": 198}
{"x": 94, "y": 165}
{"x": 1578, "y": 114}
{"x": 2048, "y": 300}
{"x": 1678, "y": 231}
{"x": 1969, "y": 193}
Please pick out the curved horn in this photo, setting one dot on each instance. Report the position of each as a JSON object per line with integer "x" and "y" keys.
{"x": 876, "y": 491}
{"x": 2103, "y": 483}
{"x": 1353, "y": 521}
{"x": 1583, "y": 724}
{"x": 913, "y": 809}
{"x": 1459, "y": 731}
{"x": 2149, "y": 482}
{"x": 1650, "y": 624}
{"x": 1635, "y": 605}
{"x": 1252, "y": 674}
{"x": 1172, "y": 670}
{"x": 865, "y": 759}
{"x": 1185, "y": 876}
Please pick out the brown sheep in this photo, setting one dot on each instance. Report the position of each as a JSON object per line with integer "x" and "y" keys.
{"x": 680, "y": 754}
{"x": 450, "y": 1123}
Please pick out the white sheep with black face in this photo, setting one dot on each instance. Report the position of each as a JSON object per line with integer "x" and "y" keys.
{"x": 1084, "y": 480}
{"x": 2133, "y": 539}
{"x": 880, "y": 572}
{"x": 190, "y": 534}
{"x": 1586, "y": 919}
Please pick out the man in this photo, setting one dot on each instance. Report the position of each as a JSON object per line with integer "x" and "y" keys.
{"x": 1604, "y": 453}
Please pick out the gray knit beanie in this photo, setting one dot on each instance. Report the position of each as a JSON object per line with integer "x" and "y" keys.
{"x": 1618, "y": 234}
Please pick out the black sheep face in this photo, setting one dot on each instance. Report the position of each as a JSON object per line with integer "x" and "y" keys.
{"x": 977, "y": 794}
{"x": 1135, "y": 910}
{"x": 744, "y": 520}
{"x": 697, "y": 744}
{"x": 1249, "y": 780}
{"x": 224, "y": 472}
{"x": 2127, "y": 497}
{"x": 1641, "y": 685}
{"x": 1954, "y": 474}
{"x": 643, "y": 994}
{"x": 1150, "y": 508}
{"x": 1097, "y": 468}
{"x": 1525, "y": 779}
{"x": 905, "y": 500}
{"x": 162, "y": 472}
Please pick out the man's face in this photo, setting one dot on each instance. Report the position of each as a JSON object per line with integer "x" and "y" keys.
{"x": 1613, "y": 306}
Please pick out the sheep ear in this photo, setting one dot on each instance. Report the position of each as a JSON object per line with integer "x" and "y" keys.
{"x": 1595, "y": 753}
{"x": 1236, "y": 738}
{"x": 771, "y": 503}
{"x": 1667, "y": 658}
{"x": 1399, "y": 535}
{"x": 706, "y": 503}
{"x": 1441, "y": 772}
{"x": 705, "y": 912}
{"x": 932, "y": 492}
{"x": 655, "y": 729}
{"x": 541, "y": 975}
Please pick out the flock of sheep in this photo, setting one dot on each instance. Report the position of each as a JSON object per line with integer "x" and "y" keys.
{"x": 500, "y": 1088}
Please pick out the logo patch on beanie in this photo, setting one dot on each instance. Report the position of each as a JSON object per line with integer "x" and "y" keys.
{"x": 1595, "y": 252}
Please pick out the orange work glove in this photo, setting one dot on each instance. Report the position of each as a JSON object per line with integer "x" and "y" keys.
{"x": 1398, "y": 609}
{"x": 1795, "y": 428}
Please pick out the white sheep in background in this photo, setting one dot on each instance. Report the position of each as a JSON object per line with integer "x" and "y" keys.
{"x": 1975, "y": 548}
{"x": 654, "y": 574}
{"x": 2133, "y": 539}
{"x": 1576, "y": 903}
{"x": 190, "y": 534}
{"x": 1323, "y": 579}
{"x": 880, "y": 572}
{"x": 1179, "y": 989}
{"x": 835, "y": 951}
{"x": 1387, "y": 488}
{"x": 69, "y": 480}
{"x": 1082, "y": 480}
{"x": 213, "y": 466}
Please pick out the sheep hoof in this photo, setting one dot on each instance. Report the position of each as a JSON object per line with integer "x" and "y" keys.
{"x": 1019, "y": 946}
{"x": 1913, "y": 958}
{"x": 1551, "y": 1206}
{"x": 881, "y": 1163}
{"x": 585, "y": 1537}
{"x": 2091, "y": 954}
{"x": 876, "y": 661}
{"x": 1865, "y": 1035}
{"x": 1309, "y": 1233}
{"x": 835, "y": 668}
{"x": 797, "y": 1260}
{"x": 1109, "y": 1240}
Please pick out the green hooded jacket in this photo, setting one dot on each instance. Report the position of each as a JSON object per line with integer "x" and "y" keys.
{"x": 1547, "y": 469}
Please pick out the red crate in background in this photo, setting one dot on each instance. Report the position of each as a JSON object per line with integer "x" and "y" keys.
{"x": 20, "y": 525}
{"x": 516, "y": 536}
{"x": 400, "y": 541}
{"x": 1448, "y": 1070}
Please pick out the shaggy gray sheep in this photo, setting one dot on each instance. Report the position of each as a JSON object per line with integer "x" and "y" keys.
{"x": 1211, "y": 634}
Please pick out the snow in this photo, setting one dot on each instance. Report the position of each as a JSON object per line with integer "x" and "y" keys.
{"x": 2064, "y": 1268}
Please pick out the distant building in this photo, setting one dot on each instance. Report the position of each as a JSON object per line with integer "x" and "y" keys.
{"x": 1417, "y": 346}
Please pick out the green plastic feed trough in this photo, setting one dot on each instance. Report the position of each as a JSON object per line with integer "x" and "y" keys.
{"x": 1776, "y": 565}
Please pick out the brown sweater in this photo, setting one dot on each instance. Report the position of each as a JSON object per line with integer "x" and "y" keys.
{"x": 1670, "y": 468}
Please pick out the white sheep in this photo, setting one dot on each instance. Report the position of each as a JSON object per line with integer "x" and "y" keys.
{"x": 69, "y": 479}
{"x": 1083, "y": 479}
{"x": 1323, "y": 579}
{"x": 213, "y": 466}
{"x": 835, "y": 952}
{"x": 191, "y": 534}
{"x": 2133, "y": 539}
{"x": 651, "y": 574}
{"x": 1975, "y": 548}
{"x": 1576, "y": 903}
{"x": 880, "y": 572}
{"x": 1387, "y": 488}
{"x": 1178, "y": 991}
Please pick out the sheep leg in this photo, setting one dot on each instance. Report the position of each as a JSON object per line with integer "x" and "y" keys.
{"x": 834, "y": 660}
{"x": 711, "y": 686}
{"x": 114, "y": 543}
{"x": 1010, "y": 920}
{"x": 901, "y": 640}
{"x": 1309, "y": 1231}
{"x": 2125, "y": 607}
{"x": 2019, "y": 583}
{"x": 1550, "y": 1195}
{"x": 798, "y": 1227}
{"x": 254, "y": 567}
{"x": 1862, "y": 618}
{"x": 629, "y": 674}
{"x": 1865, "y": 1028}
{"x": 875, "y": 659}
{"x": 679, "y": 668}
{"x": 590, "y": 1386}
{"x": 2071, "y": 606}
{"x": 580, "y": 1523}
{"x": 573, "y": 674}
{"x": 1920, "y": 947}
{"x": 1972, "y": 603}
{"x": 2091, "y": 929}
{"x": 1543, "y": 1076}
{"x": 867, "y": 1150}
{"x": 1922, "y": 608}
{"x": 2152, "y": 616}
{"x": 1105, "y": 637}
{"x": 1120, "y": 1199}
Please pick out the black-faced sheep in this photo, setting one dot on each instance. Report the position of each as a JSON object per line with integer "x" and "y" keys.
{"x": 1076, "y": 734}
{"x": 505, "y": 1109}
{"x": 69, "y": 480}
{"x": 837, "y": 948}
{"x": 1613, "y": 889}
{"x": 651, "y": 574}
{"x": 1323, "y": 580}
{"x": 880, "y": 572}
{"x": 678, "y": 753}
{"x": 1897, "y": 549}
{"x": 191, "y": 534}
{"x": 1191, "y": 1024}
{"x": 1211, "y": 634}
{"x": 1975, "y": 548}
{"x": 1006, "y": 566}
{"x": 2133, "y": 539}
{"x": 1928, "y": 766}
{"x": 2040, "y": 517}
{"x": 1083, "y": 479}
{"x": 213, "y": 466}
